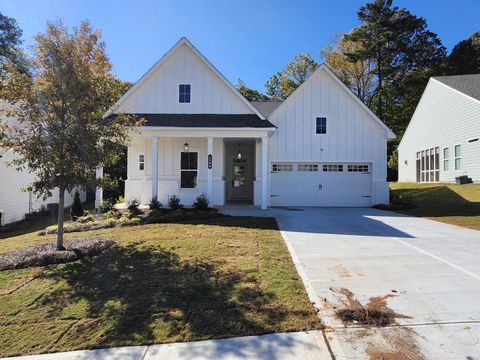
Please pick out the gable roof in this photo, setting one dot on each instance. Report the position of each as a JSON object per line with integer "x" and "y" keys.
{"x": 204, "y": 120}
{"x": 266, "y": 107}
{"x": 466, "y": 84}
{"x": 183, "y": 41}
{"x": 324, "y": 67}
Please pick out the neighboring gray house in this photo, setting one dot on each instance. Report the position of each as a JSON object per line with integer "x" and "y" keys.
{"x": 442, "y": 140}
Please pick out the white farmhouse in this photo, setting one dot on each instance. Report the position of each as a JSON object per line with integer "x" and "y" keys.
{"x": 320, "y": 147}
{"x": 442, "y": 141}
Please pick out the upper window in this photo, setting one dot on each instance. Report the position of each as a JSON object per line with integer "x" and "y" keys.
{"x": 307, "y": 167}
{"x": 458, "y": 155}
{"x": 184, "y": 93}
{"x": 282, "y": 167}
{"x": 321, "y": 125}
{"x": 188, "y": 170}
{"x": 333, "y": 168}
{"x": 363, "y": 168}
{"x": 141, "y": 162}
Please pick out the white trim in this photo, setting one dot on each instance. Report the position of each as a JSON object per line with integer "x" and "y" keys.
{"x": 171, "y": 128}
{"x": 389, "y": 133}
{"x": 163, "y": 59}
{"x": 455, "y": 90}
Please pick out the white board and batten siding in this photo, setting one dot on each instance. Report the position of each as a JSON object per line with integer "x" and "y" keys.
{"x": 443, "y": 118}
{"x": 353, "y": 137}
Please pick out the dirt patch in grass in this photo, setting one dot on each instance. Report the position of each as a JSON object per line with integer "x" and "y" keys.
{"x": 47, "y": 254}
{"x": 396, "y": 344}
{"x": 374, "y": 313}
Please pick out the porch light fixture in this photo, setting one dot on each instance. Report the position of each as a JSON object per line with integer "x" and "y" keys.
{"x": 239, "y": 154}
{"x": 186, "y": 146}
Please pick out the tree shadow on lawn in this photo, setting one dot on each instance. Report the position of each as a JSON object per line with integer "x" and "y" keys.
{"x": 145, "y": 294}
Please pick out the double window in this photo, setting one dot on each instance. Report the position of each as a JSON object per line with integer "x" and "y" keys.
{"x": 184, "y": 93}
{"x": 321, "y": 125}
{"x": 428, "y": 165}
{"x": 188, "y": 170}
{"x": 458, "y": 156}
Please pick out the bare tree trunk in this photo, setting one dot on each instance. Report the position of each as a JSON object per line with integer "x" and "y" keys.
{"x": 61, "y": 216}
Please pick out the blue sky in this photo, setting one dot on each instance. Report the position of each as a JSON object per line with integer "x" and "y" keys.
{"x": 247, "y": 39}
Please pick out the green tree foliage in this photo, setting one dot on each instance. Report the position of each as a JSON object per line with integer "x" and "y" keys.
{"x": 10, "y": 41}
{"x": 357, "y": 74}
{"x": 77, "y": 209}
{"x": 405, "y": 54}
{"x": 465, "y": 56}
{"x": 282, "y": 84}
{"x": 62, "y": 136}
{"x": 249, "y": 93}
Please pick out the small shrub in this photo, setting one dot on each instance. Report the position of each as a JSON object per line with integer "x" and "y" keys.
{"x": 174, "y": 202}
{"x": 154, "y": 203}
{"x": 105, "y": 206}
{"x": 132, "y": 206}
{"x": 36, "y": 214}
{"x": 120, "y": 200}
{"x": 201, "y": 203}
{"x": 76, "y": 210}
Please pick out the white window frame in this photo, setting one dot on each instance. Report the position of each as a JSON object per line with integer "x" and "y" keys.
{"x": 446, "y": 160}
{"x": 191, "y": 170}
{"x": 455, "y": 157}
{"x": 428, "y": 174}
{"x": 141, "y": 162}
{"x": 177, "y": 92}
{"x": 315, "y": 125}
{"x": 282, "y": 167}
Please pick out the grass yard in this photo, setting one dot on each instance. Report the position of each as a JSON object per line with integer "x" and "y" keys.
{"x": 161, "y": 283}
{"x": 449, "y": 203}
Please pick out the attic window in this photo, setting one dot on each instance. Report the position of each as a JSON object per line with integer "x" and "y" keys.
{"x": 184, "y": 93}
{"x": 321, "y": 125}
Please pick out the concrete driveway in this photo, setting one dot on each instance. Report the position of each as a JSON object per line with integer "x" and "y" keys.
{"x": 427, "y": 272}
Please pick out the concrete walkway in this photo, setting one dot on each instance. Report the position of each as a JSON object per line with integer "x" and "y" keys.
{"x": 285, "y": 346}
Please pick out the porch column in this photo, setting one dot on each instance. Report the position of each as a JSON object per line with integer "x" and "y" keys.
{"x": 154, "y": 166}
{"x": 99, "y": 189}
{"x": 264, "y": 203}
{"x": 210, "y": 168}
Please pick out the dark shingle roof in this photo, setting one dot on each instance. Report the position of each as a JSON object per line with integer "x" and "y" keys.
{"x": 266, "y": 107}
{"x": 205, "y": 120}
{"x": 467, "y": 84}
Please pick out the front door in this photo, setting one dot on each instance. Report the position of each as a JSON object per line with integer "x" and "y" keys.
{"x": 239, "y": 181}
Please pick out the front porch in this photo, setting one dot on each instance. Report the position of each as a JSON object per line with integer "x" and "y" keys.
{"x": 228, "y": 165}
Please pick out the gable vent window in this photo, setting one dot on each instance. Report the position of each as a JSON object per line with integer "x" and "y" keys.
{"x": 473, "y": 140}
{"x": 282, "y": 167}
{"x": 307, "y": 167}
{"x": 362, "y": 168}
{"x": 332, "y": 168}
{"x": 184, "y": 93}
{"x": 321, "y": 125}
{"x": 141, "y": 162}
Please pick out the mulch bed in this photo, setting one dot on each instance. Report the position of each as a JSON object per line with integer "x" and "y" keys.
{"x": 47, "y": 254}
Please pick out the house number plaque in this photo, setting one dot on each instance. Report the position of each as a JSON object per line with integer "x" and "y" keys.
{"x": 209, "y": 161}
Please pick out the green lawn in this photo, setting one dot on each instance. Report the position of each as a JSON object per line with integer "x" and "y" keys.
{"x": 162, "y": 283}
{"x": 449, "y": 203}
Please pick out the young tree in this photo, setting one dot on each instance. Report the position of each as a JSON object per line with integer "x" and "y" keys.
{"x": 282, "y": 84}
{"x": 465, "y": 56}
{"x": 356, "y": 74}
{"x": 400, "y": 45}
{"x": 62, "y": 136}
{"x": 249, "y": 93}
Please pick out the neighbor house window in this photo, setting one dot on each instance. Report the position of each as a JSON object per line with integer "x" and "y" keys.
{"x": 458, "y": 155}
{"x": 141, "y": 162}
{"x": 321, "y": 125}
{"x": 282, "y": 167}
{"x": 184, "y": 93}
{"x": 363, "y": 168}
{"x": 332, "y": 168}
{"x": 307, "y": 167}
{"x": 446, "y": 158}
{"x": 429, "y": 165}
{"x": 188, "y": 170}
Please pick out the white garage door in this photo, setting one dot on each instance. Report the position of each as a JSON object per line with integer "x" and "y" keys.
{"x": 320, "y": 184}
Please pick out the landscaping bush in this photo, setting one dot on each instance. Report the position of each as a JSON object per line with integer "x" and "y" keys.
{"x": 132, "y": 206}
{"x": 105, "y": 206}
{"x": 174, "y": 202}
{"x": 47, "y": 254}
{"x": 95, "y": 223}
{"x": 36, "y": 214}
{"x": 201, "y": 203}
{"x": 171, "y": 216}
{"x": 76, "y": 210}
{"x": 154, "y": 203}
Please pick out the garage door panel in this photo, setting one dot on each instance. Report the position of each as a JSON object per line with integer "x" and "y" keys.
{"x": 319, "y": 188}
